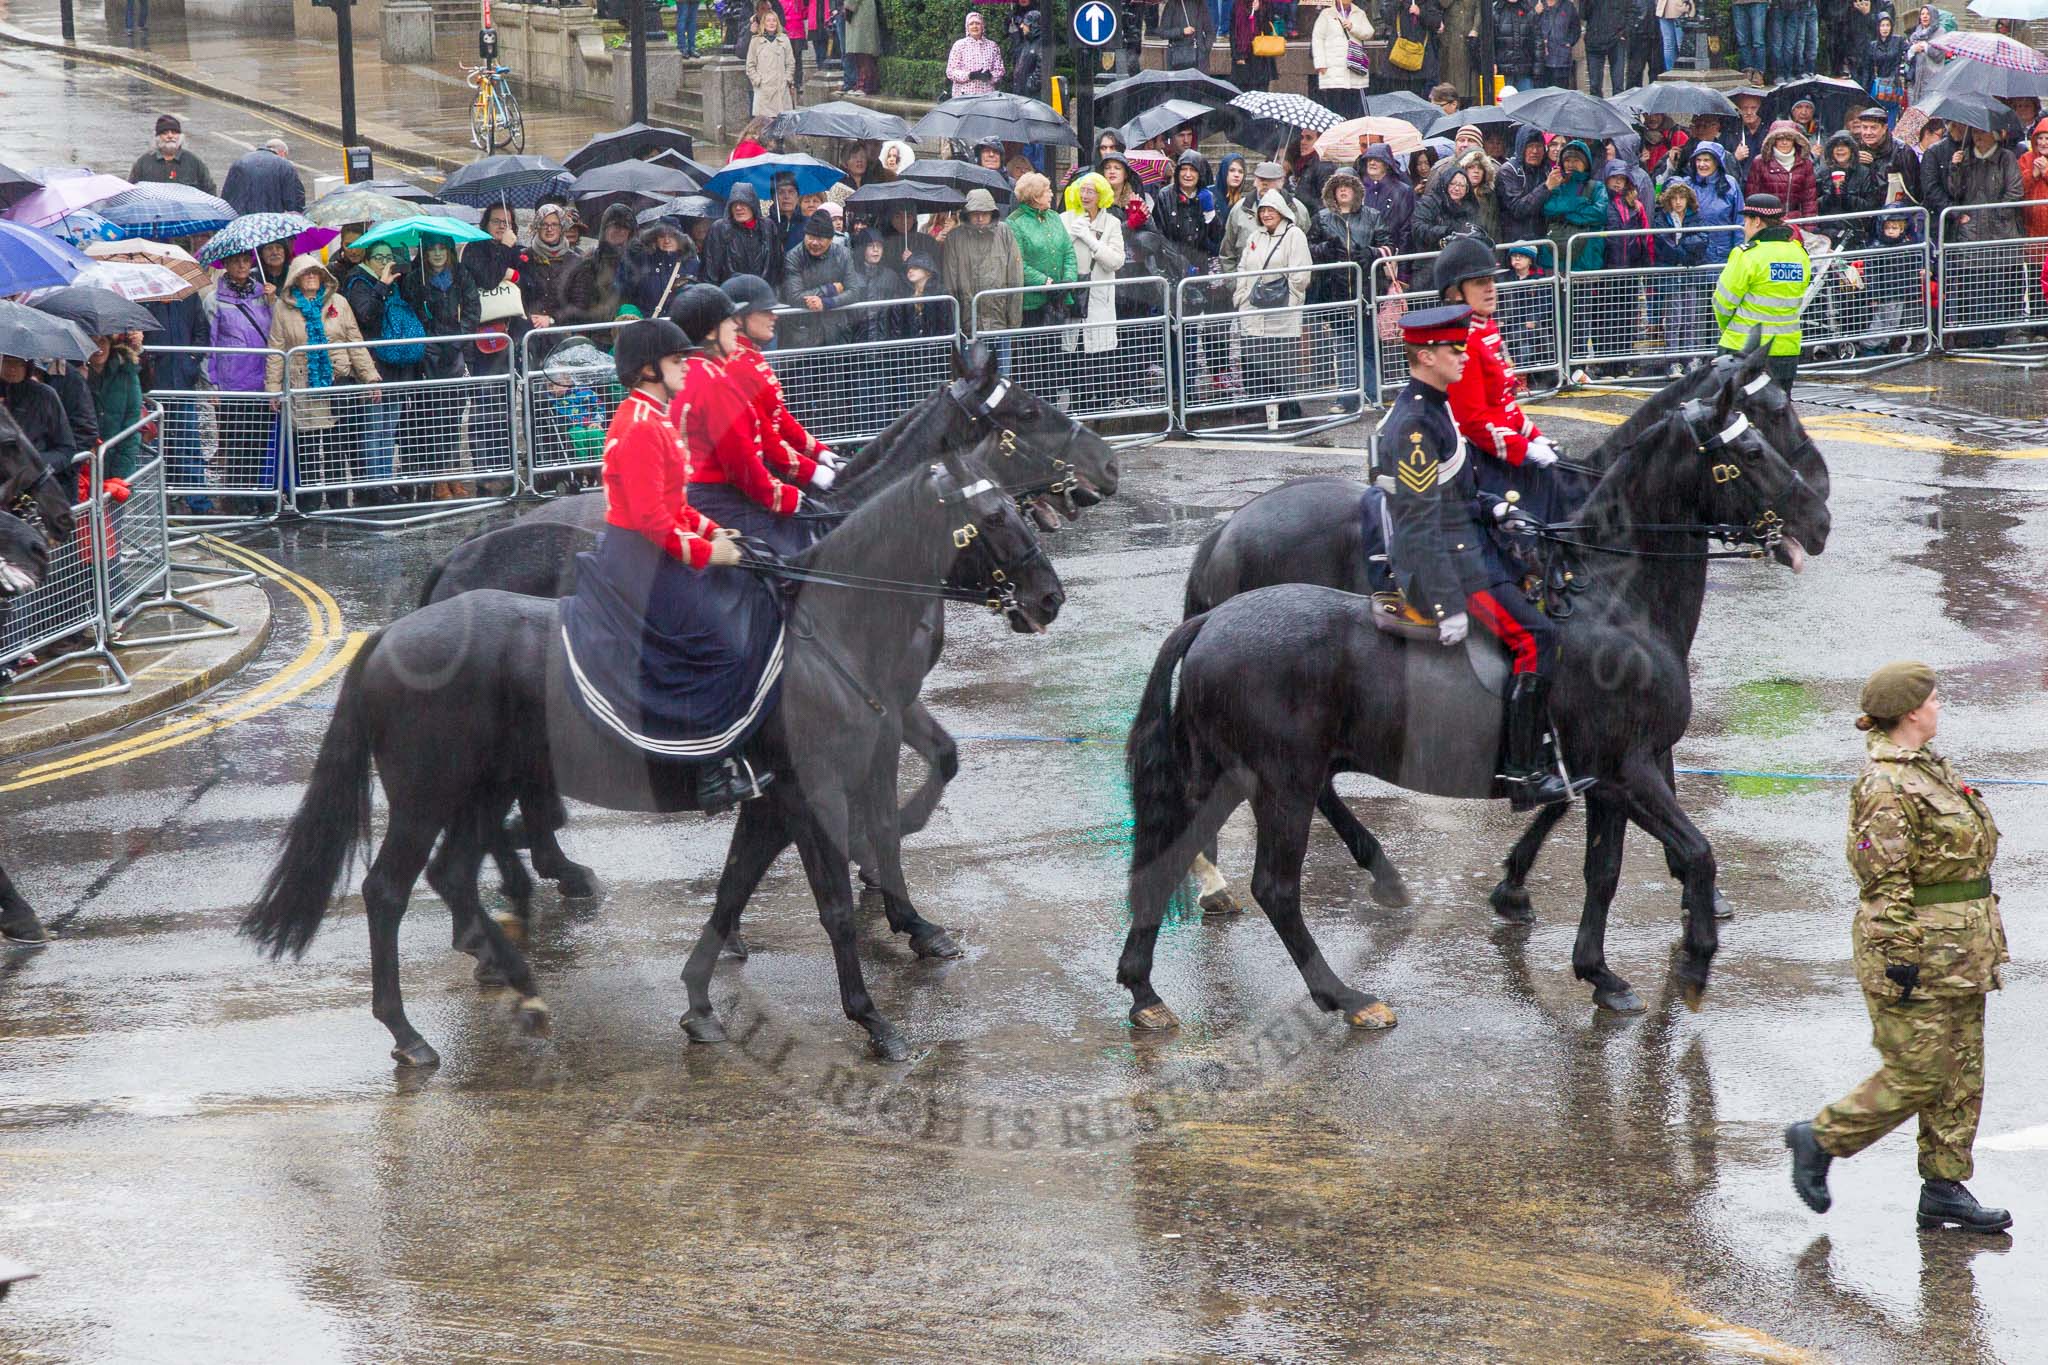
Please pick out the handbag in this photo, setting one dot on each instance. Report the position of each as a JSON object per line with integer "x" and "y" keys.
{"x": 1406, "y": 53}
{"x": 1356, "y": 60}
{"x": 500, "y": 302}
{"x": 401, "y": 324}
{"x": 1183, "y": 52}
{"x": 1274, "y": 290}
{"x": 1269, "y": 45}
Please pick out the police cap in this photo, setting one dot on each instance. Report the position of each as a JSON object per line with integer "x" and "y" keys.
{"x": 1897, "y": 688}
{"x": 1763, "y": 206}
{"x": 1422, "y": 326}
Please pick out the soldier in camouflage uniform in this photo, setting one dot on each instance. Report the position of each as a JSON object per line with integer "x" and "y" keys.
{"x": 1928, "y": 944}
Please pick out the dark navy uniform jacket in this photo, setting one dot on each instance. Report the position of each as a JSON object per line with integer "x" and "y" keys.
{"x": 1435, "y": 540}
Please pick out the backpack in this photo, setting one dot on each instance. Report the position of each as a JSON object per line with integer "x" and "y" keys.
{"x": 402, "y": 324}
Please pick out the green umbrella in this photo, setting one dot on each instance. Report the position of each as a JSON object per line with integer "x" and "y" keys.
{"x": 406, "y": 232}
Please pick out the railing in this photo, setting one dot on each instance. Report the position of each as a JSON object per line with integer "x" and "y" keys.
{"x": 222, "y": 445}
{"x": 868, "y": 363}
{"x": 1641, "y": 321}
{"x": 1990, "y": 283}
{"x": 1529, "y": 312}
{"x": 1106, "y": 360}
{"x": 1866, "y": 309}
{"x": 568, "y": 390}
{"x": 1249, "y": 373}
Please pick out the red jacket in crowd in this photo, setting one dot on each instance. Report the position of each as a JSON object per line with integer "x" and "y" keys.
{"x": 646, "y": 477}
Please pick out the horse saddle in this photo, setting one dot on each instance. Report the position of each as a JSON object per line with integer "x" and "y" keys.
{"x": 1392, "y": 613}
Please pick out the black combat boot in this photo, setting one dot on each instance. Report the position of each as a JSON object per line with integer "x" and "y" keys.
{"x": 1943, "y": 1202}
{"x": 1531, "y": 779}
{"x": 1810, "y": 1162}
{"x": 720, "y": 785}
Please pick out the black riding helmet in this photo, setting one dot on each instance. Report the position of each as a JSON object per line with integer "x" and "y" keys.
{"x": 750, "y": 294}
{"x": 644, "y": 343}
{"x": 699, "y": 309}
{"x": 1462, "y": 259}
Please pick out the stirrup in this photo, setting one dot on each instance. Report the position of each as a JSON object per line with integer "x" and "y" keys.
{"x": 728, "y": 783}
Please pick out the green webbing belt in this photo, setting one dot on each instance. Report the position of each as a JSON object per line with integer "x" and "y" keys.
{"x": 1946, "y": 893}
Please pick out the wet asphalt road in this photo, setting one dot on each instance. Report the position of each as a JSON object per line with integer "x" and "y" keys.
{"x": 211, "y": 1158}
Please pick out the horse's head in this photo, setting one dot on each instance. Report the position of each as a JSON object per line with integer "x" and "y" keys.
{"x": 24, "y": 558}
{"x": 28, "y": 488}
{"x": 1050, "y": 462}
{"x": 1764, "y": 401}
{"x": 1744, "y": 481}
{"x": 999, "y": 554}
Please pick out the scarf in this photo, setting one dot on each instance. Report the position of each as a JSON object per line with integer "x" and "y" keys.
{"x": 545, "y": 254}
{"x": 442, "y": 279}
{"x": 1785, "y": 159}
{"x": 319, "y": 364}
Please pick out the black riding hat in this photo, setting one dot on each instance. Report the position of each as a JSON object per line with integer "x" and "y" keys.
{"x": 1462, "y": 259}
{"x": 644, "y": 343}
{"x": 750, "y": 294}
{"x": 699, "y": 309}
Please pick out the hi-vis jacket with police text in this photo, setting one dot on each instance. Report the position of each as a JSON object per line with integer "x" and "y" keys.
{"x": 786, "y": 447}
{"x": 723, "y": 433}
{"x": 646, "y": 473}
{"x": 1434, "y": 541}
{"x": 1762, "y": 285}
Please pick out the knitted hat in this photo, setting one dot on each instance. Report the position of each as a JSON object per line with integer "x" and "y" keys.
{"x": 820, "y": 224}
{"x": 1897, "y": 688}
{"x": 168, "y": 123}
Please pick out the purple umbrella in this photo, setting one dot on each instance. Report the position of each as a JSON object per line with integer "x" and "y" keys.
{"x": 65, "y": 195}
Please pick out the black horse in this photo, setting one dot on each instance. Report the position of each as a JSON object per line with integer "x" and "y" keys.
{"x": 35, "y": 518}
{"x": 1285, "y": 686}
{"x": 1053, "y": 464}
{"x": 1307, "y": 530}
{"x": 483, "y": 674}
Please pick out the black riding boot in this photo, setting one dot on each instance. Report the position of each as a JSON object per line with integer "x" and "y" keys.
{"x": 720, "y": 785}
{"x": 1946, "y": 1201}
{"x": 1532, "y": 780}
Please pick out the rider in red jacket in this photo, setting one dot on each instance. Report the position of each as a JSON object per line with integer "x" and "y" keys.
{"x": 1484, "y": 399}
{"x": 793, "y": 453}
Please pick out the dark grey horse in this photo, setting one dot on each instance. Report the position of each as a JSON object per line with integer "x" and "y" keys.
{"x": 426, "y": 673}
{"x": 1307, "y": 531}
{"x": 1283, "y": 687}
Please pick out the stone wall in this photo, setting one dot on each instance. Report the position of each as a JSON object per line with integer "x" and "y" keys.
{"x": 366, "y": 20}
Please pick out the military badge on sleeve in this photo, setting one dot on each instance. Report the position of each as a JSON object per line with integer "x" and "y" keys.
{"x": 1418, "y": 467}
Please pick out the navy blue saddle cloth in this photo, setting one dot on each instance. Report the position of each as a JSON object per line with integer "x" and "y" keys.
{"x": 680, "y": 663}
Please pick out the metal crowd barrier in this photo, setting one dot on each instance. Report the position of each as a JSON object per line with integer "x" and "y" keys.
{"x": 1866, "y": 309}
{"x": 870, "y": 362}
{"x": 137, "y": 556}
{"x": 1991, "y": 297}
{"x": 1094, "y": 370}
{"x": 1530, "y": 314}
{"x": 371, "y": 443}
{"x": 223, "y": 448}
{"x": 1642, "y": 322}
{"x": 568, "y": 390}
{"x": 1256, "y": 372}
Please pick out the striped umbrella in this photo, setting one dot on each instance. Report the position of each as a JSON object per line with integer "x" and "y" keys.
{"x": 163, "y": 211}
{"x": 1151, "y": 168}
{"x": 175, "y": 259}
{"x": 1993, "y": 49}
{"x": 1344, "y": 143}
{"x": 252, "y": 230}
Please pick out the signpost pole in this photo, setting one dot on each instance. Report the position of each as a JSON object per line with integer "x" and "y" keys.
{"x": 1092, "y": 27}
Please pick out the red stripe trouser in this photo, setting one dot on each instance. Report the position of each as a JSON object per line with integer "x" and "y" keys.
{"x": 1510, "y": 618}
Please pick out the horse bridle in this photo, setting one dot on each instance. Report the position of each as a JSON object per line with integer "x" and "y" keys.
{"x": 980, "y": 412}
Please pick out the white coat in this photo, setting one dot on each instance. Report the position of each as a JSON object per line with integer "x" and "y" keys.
{"x": 1285, "y": 250}
{"x": 1098, "y": 255}
{"x": 1329, "y": 40}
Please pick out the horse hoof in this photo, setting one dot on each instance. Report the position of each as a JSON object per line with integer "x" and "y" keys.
{"x": 735, "y": 947}
{"x": 703, "y": 1028}
{"x": 939, "y": 944}
{"x": 417, "y": 1053}
{"x": 1722, "y": 909}
{"x": 1377, "y": 1015}
{"x": 24, "y": 930}
{"x": 1512, "y": 904}
{"x": 533, "y": 1017}
{"x": 889, "y": 1046}
{"x": 1623, "y": 1001}
{"x": 577, "y": 883}
{"x": 489, "y": 974}
{"x": 1220, "y": 902}
{"x": 1391, "y": 892}
{"x": 512, "y": 926}
{"x": 1156, "y": 1016}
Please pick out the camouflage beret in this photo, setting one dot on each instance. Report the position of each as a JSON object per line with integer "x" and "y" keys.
{"x": 1897, "y": 688}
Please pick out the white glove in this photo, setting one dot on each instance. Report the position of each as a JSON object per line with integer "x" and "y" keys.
{"x": 724, "y": 553}
{"x": 826, "y": 455}
{"x": 1451, "y": 629}
{"x": 822, "y": 476}
{"x": 1542, "y": 453}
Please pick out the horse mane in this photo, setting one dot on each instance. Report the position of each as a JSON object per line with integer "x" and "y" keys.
{"x": 877, "y": 464}
{"x": 1647, "y": 473}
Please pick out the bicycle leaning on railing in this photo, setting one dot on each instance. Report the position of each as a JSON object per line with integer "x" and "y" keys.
{"x": 494, "y": 119}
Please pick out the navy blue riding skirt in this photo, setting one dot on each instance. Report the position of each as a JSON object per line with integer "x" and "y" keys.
{"x": 727, "y": 506}
{"x": 682, "y": 663}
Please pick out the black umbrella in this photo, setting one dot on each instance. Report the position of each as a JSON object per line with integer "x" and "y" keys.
{"x": 634, "y": 177}
{"x": 101, "y": 312}
{"x": 963, "y": 176}
{"x": 682, "y": 209}
{"x": 520, "y": 181}
{"x": 1121, "y": 102}
{"x": 1163, "y": 117}
{"x": 16, "y": 185}
{"x": 892, "y": 194}
{"x": 1478, "y": 116}
{"x": 1682, "y": 99}
{"x": 1834, "y": 99}
{"x": 1404, "y": 105}
{"x": 28, "y": 334}
{"x": 696, "y": 170}
{"x": 1970, "y": 109}
{"x": 1567, "y": 112}
{"x": 1983, "y": 78}
{"x": 1012, "y": 118}
{"x": 634, "y": 142}
{"x": 841, "y": 119}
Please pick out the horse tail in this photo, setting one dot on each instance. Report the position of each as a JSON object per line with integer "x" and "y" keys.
{"x": 1194, "y": 601}
{"x": 1158, "y": 777}
{"x": 332, "y": 819}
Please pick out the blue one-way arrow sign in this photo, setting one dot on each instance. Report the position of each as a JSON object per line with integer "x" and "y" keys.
{"x": 1095, "y": 23}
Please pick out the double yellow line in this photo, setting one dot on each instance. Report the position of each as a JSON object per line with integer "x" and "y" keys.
{"x": 329, "y": 647}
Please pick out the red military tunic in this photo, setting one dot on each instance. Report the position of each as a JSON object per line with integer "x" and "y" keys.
{"x": 787, "y": 447}
{"x": 1483, "y": 401}
{"x": 646, "y": 473}
{"x": 724, "y": 436}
